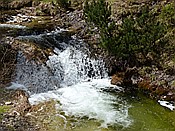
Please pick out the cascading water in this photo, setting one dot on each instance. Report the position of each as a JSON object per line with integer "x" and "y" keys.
{"x": 75, "y": 80}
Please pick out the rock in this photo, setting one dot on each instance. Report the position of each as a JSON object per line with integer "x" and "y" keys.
{"x": 126, "y": 79}
{"x": 33, "y": 51}
{"x": 19, "y": 4}
{"x": 4, "y": 17}
{"x": 145, "y": 85}
{"x": 7, "y": 63}
{"x": 112, "y": 70}
{"x": 131, "y": 76}
{"x": 21, "y": 19}
{"x": 14, "y": 117}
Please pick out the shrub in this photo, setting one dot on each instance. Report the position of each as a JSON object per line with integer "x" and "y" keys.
{"x": 142, "y": 38}
{"x": 167, "y": 15}
{"x": 98, "y": 13}
{"x": 146, "y": 32}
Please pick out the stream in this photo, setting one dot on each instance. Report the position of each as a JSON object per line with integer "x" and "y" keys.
{"x": 80, "y": 85}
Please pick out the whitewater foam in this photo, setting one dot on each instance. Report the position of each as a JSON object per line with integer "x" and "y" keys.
{"x": 167, "y": 104}
{"x": 86, "y": 99}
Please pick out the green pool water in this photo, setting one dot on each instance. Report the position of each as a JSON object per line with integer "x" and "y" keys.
{"x": 148, "y": 115}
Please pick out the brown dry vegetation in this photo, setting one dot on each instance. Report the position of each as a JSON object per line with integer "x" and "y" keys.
{"x": 7, "y": 63}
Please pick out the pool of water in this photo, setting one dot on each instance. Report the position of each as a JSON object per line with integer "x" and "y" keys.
{"x": 144, "y": 114}
{"x": 148, "y": 115}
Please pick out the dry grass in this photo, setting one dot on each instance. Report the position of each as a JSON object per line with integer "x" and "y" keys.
{"x": 7, "y": 63}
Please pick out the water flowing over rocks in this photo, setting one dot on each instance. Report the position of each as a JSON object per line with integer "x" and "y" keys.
{"x": 69, "y": 68}
{"x": 34, "y": 37}
{"x": 74, "y": 22}
{"x": 59, "y": 46}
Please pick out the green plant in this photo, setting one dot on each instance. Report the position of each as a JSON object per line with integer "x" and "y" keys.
{"x": 167, "y": 15}
{"x": 140, "y": 36}
{"x": 98, "y": 13}
{"x": 3, "y": 109}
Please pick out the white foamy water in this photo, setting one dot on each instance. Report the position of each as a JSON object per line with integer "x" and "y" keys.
{"x": 75, "y": 66}
{"x": 12, "y": 26}
{"x": 77, "y": 82}
{"x": 86, "y": 99}
{"x": 166, "y": 104}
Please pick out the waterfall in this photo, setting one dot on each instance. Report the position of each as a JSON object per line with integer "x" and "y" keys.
{"x": 69, "y": 65}
{"x": 73, "y": 78}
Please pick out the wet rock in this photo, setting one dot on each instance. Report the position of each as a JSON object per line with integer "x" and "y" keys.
{"x": 129, "y": 73}
{"x": 4, "y": 17}
{"x": 32, "y": 51}
{"x": 127, "y": 79}
{"x": 156, "y": 91}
